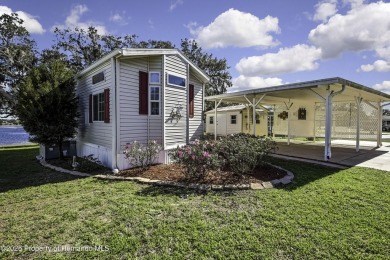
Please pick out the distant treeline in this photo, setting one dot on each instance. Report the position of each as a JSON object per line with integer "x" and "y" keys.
{"x": 9, "y": 122}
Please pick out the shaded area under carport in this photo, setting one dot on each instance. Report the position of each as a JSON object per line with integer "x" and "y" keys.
{"x": 343, "y": 152}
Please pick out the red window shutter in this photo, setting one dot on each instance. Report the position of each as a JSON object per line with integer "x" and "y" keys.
{"x": 107, "y": 105}
{"x": 191, "y": 101}
{"x": 90, "y": 108}
{"x": 143, "y": 93}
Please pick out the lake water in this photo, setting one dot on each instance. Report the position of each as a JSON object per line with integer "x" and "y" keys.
{"x": 13, "y": 135}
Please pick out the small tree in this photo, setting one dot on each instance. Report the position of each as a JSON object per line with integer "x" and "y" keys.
{"x": 47, "y": 104}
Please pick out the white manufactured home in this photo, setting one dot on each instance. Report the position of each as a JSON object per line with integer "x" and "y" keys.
{"x": 139, "y": 95}
{"x": 238, "y": 119}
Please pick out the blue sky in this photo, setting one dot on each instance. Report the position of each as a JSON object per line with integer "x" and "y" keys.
{"x": 266, "y": 43}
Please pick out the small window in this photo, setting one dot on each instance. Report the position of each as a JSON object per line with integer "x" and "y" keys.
{"x": 257, "y": 119}
{"x": 233, "y": 119}
{"x": 154, "y": 100}
{"x": 154, "y": 77}
{"x": 211, "y": 120}
{"x": 176, "y": 80}
{"x": 98, "y": 78}
{"x": 98, "y": 107}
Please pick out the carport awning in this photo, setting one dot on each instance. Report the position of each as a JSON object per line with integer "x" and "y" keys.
{"x": 306, "y": 91}
{"x": 324, "y": 90}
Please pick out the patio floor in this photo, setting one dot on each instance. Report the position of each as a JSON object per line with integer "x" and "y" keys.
{"x": 343, "y": 152}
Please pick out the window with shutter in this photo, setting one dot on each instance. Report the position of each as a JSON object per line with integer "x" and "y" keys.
{"x": 191, "y": 101}
{"x": 107, "y": 105}
{"x": 143, "y": 93}
{"x": 90, "y": 109}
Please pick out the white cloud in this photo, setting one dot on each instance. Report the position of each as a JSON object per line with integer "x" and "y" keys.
{"x": 384, "y": 86}
{"x": 300, "y": 57}
{"x": 119, "y": 18}
{"x": 236, "y": 28}
{"x": 175, "y": 4}
{"x": 73, "y": 21}
{"x": 29, "y": 22}
{"x": 324, "y": 10}
{"x": 364, "y": 27}
{"x": 354, "y": 3}
{"x": 379, "y": 65}
{"x": 244, "y": 83}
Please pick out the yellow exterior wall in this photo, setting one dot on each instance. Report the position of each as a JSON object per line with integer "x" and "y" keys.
{"x": 247, "y": 125}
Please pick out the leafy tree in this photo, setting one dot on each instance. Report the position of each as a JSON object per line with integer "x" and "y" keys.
{"x": 87, "y": 46}
{"x": 47, "y": 103}
{"x": 17, "y": 57}
{"x": 216, "y": 69}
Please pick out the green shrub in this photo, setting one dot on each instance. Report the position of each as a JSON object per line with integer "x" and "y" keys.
{"x": 197, "y": 158}
{"x": 242, "y": 153}
{"x": 140, "y": 155}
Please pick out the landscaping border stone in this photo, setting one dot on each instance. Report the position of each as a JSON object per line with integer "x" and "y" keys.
{"x": 204, "y": 187}
{"x": 254, "y": 186}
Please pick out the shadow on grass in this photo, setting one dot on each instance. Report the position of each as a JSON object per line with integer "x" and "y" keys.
{"x": 304, "y": 173}
{"x": 19, "y": 169}
{"x": 154, "y": 190}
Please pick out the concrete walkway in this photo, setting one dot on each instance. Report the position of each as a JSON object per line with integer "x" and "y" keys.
{"x": 343, "y": 153}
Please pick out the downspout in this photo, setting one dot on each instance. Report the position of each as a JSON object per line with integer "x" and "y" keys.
{"x": 115, "y": 145}
{"x": 328, "y": 122}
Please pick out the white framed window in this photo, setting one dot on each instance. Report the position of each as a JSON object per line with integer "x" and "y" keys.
{"x": 176, "y": 80}
{"x": 154, "y": 77}
{"x": 257, "y": 119}
{"x": 211, "y": 120}
{"x": 154, "y": 100}
{"x": 98, "y": 107}
{"x": 233, "y": 119}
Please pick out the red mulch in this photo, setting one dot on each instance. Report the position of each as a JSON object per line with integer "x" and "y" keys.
{"x": 173, "y": 172}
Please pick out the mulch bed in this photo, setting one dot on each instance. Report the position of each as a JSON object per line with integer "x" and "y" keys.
{"x": 173, "y": 172}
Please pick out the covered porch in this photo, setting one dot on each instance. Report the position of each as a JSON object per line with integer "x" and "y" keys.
{"x": 326, "y": 109}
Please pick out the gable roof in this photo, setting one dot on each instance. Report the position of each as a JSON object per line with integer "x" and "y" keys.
{"x": 133, "y": 52}
{"x": 308, "y": 90}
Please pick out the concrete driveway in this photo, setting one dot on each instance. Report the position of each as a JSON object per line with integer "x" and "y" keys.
{"x": 343, "y": 152}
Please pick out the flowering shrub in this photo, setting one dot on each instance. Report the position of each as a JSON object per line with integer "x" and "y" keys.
{"x": 198, "y": 158}
{"x": 141, "y": 155}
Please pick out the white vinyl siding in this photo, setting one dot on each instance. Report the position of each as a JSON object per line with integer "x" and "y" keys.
{"x": 132, "y": 126}
{"x": 196, "y": 123}
{"x": 98, "y": 133}
{"x": 175, "y": 131}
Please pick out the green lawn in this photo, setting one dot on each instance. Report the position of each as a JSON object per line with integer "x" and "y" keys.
{"x": 325, "y": 214}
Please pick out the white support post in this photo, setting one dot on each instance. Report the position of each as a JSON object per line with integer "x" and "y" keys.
{"x": 288, "y": 127}
{"x": 215, "y": 120}
{"x": 254, "y": 116}
{"x": 328, "y": 126}
{"x": 358, "y": 104}
{"x": 288, "y": 120}
{"x": 215, "y": 117}
{"x": 314, "y": 124}
{"x": 273, "y": 122}
{"x": 254, "y": 105}
{"x": 247, "y": 120}
{"x": 328, "y": 121}
{"x": 379, "y": 135}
